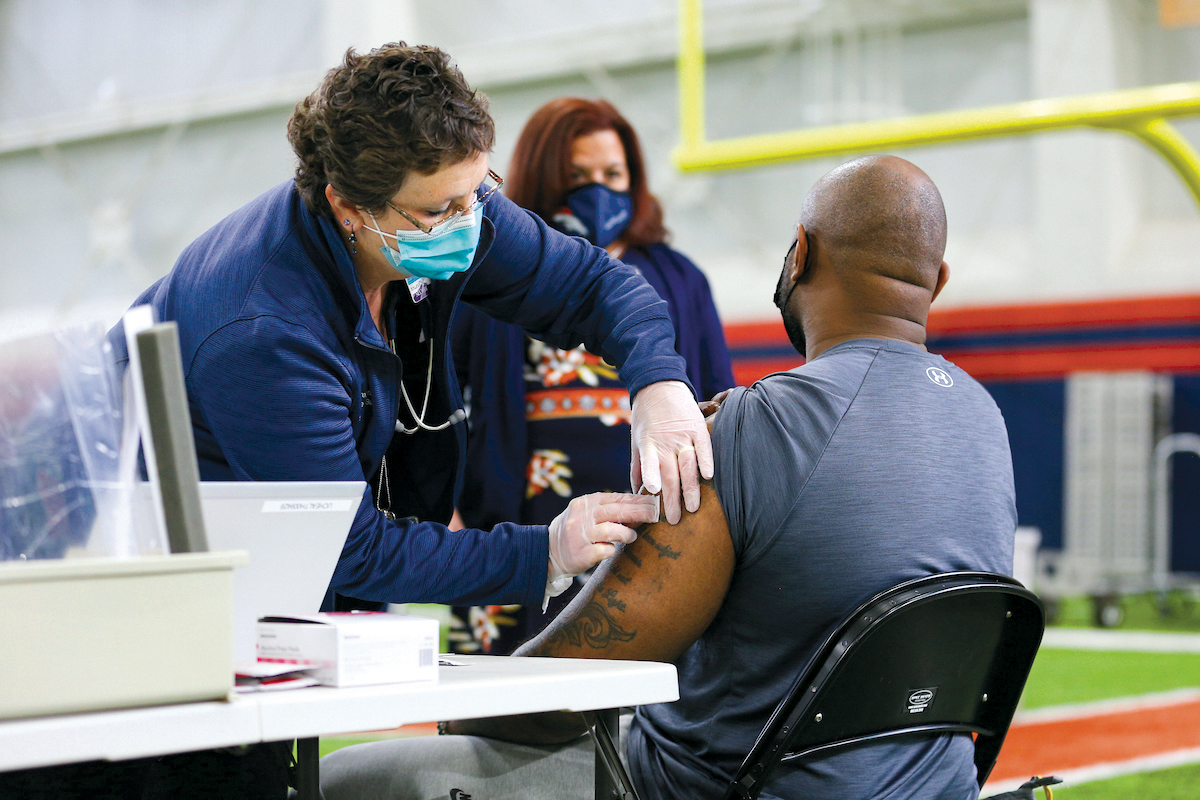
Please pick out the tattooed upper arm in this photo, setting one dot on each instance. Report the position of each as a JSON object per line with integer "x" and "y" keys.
{"x": 654, "y": 598}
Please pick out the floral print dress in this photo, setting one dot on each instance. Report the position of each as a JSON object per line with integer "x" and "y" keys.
{"x": 577, "y": 418}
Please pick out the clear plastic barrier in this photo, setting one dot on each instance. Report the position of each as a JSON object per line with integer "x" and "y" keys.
{"x": 67, "y": 462}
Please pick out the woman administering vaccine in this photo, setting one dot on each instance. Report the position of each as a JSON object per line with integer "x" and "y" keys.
{"x": 549, "y": 424}
{"x": 313, "y": 324}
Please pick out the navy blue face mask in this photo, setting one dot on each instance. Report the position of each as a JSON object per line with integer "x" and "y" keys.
{"x": 596, "y": 213}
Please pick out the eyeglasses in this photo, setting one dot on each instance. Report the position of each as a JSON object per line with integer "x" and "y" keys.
{"x": 497, "y": 182}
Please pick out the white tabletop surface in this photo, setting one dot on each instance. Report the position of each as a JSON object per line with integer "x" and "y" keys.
{"x": 484, "y": 686}
{"x": 128, "y": 733}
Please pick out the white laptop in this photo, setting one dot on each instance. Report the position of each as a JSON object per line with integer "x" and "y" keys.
{"x": 294, "y": 532}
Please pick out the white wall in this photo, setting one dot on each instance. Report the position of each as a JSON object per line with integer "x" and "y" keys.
{"x": 127, "y": 127}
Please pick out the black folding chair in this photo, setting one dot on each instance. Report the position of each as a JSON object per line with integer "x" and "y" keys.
{"x": 947, "y": 653}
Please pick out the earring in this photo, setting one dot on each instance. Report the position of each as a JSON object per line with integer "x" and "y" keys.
{"x": 353, "y": 243}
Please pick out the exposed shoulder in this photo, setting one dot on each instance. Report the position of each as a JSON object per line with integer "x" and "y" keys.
{"x": 651, "y": 601}
{"x": 654, "y": 598}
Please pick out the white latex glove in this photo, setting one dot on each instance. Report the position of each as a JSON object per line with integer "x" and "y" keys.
{"x": 670, "y": 443}
{"x": 584, "y": 533}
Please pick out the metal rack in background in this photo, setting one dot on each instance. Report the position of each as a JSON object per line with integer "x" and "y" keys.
{"x": 1116, "y": 521}
{"x": 1167, "y": 447}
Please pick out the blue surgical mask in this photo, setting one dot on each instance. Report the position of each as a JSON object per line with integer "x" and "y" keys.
{"x": 596, "y": 213}
{"x": 447, "y": 249}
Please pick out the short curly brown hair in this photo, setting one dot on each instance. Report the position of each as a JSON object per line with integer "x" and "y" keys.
{"x": 379, "y": 116}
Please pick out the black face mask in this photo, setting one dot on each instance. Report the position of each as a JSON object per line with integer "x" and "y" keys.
{"x": 781, "y": 300}
{"x": 783, "y": 297}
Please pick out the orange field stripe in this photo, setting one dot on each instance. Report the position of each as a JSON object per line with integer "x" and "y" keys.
{"x": 1024, "y": 363}
{"x": 1047, "y": 748}
{"x": 977, "y": 319}
{"x": 1027, "y": 363}
{"x": 742, "y": 334}
{"x": 747, "y": 371}
{"x": 1081, "y": 314}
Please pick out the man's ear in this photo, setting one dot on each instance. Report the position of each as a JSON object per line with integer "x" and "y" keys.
{"x": 799, "y": 255}
{"x": 342, "y": 209}
{"x": 943, "y": 276}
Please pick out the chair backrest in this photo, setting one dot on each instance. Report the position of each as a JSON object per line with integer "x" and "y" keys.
{"x": 946, "y": 653}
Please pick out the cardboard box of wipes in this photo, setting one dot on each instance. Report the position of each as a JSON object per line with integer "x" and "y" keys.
{"x": 353, "y": 649}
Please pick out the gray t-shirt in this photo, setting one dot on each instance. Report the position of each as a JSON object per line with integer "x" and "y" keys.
{"x": 875, "y": 463}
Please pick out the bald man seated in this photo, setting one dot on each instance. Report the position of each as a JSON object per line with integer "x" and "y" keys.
{"x": 873, "y": 463}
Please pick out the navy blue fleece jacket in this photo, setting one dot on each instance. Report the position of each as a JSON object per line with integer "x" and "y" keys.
{"x": 288, "y": 378}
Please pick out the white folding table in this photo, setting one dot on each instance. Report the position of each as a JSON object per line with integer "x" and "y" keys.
{"x": 484, "y": 686}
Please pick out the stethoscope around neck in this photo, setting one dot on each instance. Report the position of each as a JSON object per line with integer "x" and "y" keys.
{"x": 455, "y": 417}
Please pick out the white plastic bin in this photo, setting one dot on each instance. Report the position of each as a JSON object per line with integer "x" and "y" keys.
{"x": 98, "y": 633}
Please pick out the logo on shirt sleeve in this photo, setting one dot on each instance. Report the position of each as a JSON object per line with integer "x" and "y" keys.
{"x": 939, "y": 376}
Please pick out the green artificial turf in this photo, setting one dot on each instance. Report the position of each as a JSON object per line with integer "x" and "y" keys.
{"x": 330, "y": 743}
{"x": 1078, "y": 676}
{"x": 1178, "y": 611}
{"x": 1178, "y": 783}
{"x": 433, "y": 611}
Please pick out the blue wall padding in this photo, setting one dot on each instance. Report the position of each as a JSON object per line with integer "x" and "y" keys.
{"x": 1033, "y": 412}
{"x": 1185, "y": 486}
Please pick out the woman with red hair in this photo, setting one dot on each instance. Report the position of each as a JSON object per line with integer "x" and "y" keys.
{"x": 545, "y": 424}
